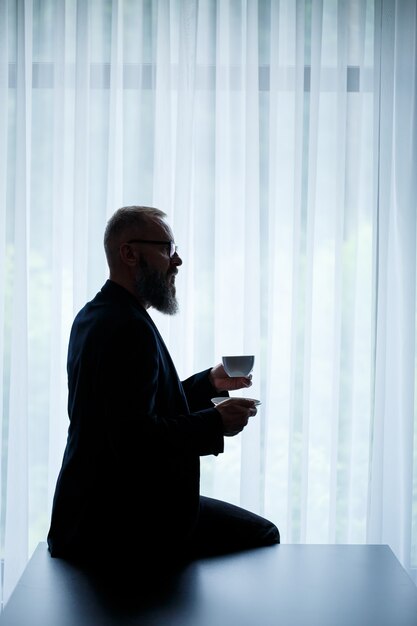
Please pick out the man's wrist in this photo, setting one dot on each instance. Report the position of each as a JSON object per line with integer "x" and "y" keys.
{"x": 211, "y": 380}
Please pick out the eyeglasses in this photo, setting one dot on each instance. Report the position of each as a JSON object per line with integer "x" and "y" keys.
{"x": 172, "y": 248}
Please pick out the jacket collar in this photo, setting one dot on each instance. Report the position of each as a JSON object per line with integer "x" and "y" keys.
{"x": 119, "y": 293}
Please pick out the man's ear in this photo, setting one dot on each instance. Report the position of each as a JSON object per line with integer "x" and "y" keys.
{"x": 128, "y": 254}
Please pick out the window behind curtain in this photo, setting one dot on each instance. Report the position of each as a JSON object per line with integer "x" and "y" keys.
{"x": 256, "y": 127}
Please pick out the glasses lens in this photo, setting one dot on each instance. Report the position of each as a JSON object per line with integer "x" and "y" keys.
{"x": 173, "y": 249}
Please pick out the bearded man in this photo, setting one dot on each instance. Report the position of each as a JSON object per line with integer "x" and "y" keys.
{"x": 128, "y": 489}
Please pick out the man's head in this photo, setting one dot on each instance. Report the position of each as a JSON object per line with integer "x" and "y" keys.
{"x": 142, "y": 256}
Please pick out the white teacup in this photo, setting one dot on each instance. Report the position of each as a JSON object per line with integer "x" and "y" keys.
{"x": 238, "y": 365}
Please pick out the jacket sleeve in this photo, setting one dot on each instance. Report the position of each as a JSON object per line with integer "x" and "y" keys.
{"x": 199, "y": 391}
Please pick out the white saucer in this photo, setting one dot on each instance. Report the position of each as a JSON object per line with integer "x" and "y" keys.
{"x": 222, "y": 399}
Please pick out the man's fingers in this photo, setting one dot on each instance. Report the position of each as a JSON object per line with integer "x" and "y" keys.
{"x": 238, "y": 404}
{"x": 243, "y": 401}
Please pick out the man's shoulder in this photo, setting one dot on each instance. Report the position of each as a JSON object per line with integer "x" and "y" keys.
{"x": 113, "y": 312}
{"x": 113, "y": 301}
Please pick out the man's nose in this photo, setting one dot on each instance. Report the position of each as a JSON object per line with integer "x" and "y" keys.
{"x": 176, "y": 259}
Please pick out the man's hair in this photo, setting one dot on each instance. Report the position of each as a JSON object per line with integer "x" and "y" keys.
{"x": 122, "y": 222}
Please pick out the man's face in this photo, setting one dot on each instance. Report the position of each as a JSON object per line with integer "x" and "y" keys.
{"x": 156, "y": 271}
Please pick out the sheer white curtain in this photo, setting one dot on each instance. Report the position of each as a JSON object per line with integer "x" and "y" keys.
{"x": 392, "y": 497}
{"x": 280, "y": 138}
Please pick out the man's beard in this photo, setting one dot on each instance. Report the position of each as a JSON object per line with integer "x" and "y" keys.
{"x": 156, "y": 289}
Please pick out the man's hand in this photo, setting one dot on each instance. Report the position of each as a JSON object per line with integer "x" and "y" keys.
{"x": 235, "y": 414}
{"x": 223, "y": 382}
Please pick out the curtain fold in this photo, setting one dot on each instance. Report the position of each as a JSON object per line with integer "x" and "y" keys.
{"x": 16, "y": 510}
{"x": 391, "y": 479}
{"x": 280, "y": 138}
{"x": 4, "y": 101}
{"x": 60, "y": 212}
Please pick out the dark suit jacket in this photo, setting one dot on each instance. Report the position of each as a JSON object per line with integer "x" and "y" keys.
{"x": 129, "y": 480}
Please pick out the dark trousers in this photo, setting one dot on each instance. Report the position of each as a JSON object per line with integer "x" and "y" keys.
{"x": 224, "y": 528}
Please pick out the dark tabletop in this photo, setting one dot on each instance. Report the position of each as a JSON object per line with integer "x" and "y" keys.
{"x": 283, "y": 585}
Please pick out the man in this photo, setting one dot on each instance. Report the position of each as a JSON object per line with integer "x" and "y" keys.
{"x": 128, "y": 488}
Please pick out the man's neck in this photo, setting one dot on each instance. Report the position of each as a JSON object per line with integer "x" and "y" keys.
{"x": 129, "y": 286}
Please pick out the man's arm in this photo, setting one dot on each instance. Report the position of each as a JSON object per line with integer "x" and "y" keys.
{"x": 144, "y": 401}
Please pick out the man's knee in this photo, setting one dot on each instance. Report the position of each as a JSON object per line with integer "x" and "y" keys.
{"x": 271, "y": 534}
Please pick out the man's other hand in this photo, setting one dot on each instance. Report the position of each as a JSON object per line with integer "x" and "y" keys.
{"x": 235, "y": 414}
